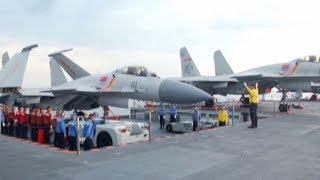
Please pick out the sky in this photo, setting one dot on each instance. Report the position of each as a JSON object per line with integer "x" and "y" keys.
{"x": 106, "y": 35}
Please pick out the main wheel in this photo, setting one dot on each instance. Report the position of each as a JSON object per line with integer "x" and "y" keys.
{"x": 283, "y": 107}
{"x": 104, "y": 139}
{"x": 169, "y": 128}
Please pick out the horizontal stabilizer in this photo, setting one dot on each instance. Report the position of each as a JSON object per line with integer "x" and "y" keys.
{"x": 61, "y": 91}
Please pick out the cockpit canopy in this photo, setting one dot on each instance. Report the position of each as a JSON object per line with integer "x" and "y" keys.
{"x": 310, "y": 59}
{"x": 136, "y": 71}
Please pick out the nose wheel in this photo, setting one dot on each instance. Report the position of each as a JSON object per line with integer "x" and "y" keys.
{"x": 209, "y": 103}
{"x": 314, "y": 97}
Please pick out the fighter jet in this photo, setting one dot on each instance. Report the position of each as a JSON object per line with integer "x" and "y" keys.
{"x": 116, "y": 88}
{"x": 295, "y": 75}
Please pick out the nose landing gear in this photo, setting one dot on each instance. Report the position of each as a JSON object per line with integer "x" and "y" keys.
{"x": 314, "y": 97}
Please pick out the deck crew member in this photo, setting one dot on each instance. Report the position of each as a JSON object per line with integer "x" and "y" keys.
{"x": 60, "y": 131}
{"x": 54, "y": 126}
{"x": 223, "y": 117}
{"x": 72, "y": 135}
{"x": 40, "y": 117}
{"x": 5, "y": 111}
{"x": 195, "y": 119}
{"x": 47, "y": 119}
{"x": 3, "y": 121}
{"x": 33, "y": 125}
{"x": 173, "y": 114}
{"x": 22, "y": 123}
{"x": 11, "y": 117}
{"x": 88, "y": 133}
{"x": 162, "y": 113}
{"x": 96, "y": 121}
{"x": 253, "y": 100}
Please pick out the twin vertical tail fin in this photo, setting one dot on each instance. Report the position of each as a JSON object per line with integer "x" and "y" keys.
{"x": 12, "y": 73}
{"x": 73, "y": 70}
{"x": 188, "y": 68}
{"x": 5, "y": 59}
{"x": 222, "y": 67}
{"x": 56, "y": 73}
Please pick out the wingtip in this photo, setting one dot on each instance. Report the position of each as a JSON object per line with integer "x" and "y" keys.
{"x": 29, "y": 48}
{"x": 217, "y": 51}
{"x": 60, "y": 52}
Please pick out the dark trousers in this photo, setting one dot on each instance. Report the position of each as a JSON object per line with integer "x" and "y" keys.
{"x": 195, "y": 125}
{"x": 56, "y": 139}
{"x": 4, "y": 129}
{"x": 18, "y": 130}
{"x": 162, "y": 122}
{"x": 172, "y": 119}
{"x": 59, "y": 140}
{"x": 88, "y": 144}
{"x": 46, "y": 134}
{"x": 253, "y": 114}
{"x": 23, "y": 131}
{"x": 222, "y": 123}
{"x": 72, "y": 143}
{"x": 34, "y": 134}
{"x": 11, "y": 129}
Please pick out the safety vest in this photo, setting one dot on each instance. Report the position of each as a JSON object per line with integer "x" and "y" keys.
{"x": 253, "y": 95}
{"x": 223, "y": 116}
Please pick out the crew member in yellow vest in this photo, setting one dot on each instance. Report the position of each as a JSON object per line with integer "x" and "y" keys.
{"x": 223, "y": 117}
{"x": 253, "y": 100}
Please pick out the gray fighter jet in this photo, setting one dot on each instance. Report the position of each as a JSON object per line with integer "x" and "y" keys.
{"x": 295, "y": 76}
{"x": 88, "y": 91}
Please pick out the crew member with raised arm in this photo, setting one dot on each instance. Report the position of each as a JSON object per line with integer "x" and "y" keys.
{"x": 253, "y": 100}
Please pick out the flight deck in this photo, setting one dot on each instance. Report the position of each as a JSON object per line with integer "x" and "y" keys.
{"x": 286, "y": 147}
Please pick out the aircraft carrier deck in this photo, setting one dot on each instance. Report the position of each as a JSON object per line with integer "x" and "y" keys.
{"x": 284, "y": 148}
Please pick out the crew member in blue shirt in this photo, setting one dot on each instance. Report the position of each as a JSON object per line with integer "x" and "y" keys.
{"x": 162, "y": 113}
{"x": 60, "y": 132}
{"x": 195, "y": 119}
{"x": 2, "y": 121}
{"x": 72, "y": 134}
{"x": 173, "y": 114}
{"x": 88, "y": 133}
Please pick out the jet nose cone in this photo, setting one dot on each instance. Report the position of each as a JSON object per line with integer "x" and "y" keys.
{"x": 176, "y": 92}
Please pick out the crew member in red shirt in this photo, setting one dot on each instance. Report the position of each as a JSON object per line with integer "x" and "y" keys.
{"x": 47, "y": 119}
{"x": 22, "y": 123}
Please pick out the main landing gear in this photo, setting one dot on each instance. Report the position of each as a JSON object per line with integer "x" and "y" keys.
{"x": 284, "y": 106}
